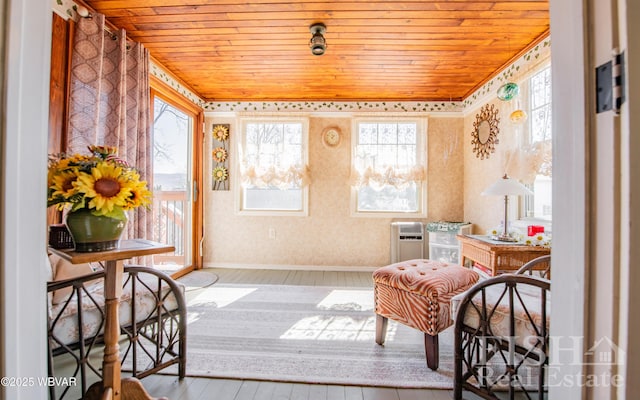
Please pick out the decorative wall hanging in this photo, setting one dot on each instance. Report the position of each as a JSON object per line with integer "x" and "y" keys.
{"x": 220, "y": 157}
{"x": 485, "y": 131}
{"x": 518, "y": 116}
{"x": 331, "y": 137}
{"x": 508, "y": 91}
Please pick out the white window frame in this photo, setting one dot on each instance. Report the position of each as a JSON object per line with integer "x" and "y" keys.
{"x": 239, "y": 190}
{"x": 421, "y": 159}
{"x": 527, "y": 201}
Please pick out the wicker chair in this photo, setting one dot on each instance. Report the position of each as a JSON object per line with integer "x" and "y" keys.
{"x": 502, "y": 335}
{"x": 153, "y": 326}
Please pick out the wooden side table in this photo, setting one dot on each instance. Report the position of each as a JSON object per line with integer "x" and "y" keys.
{"x": 498, "y": 257}
{"x": 112, "y": 385}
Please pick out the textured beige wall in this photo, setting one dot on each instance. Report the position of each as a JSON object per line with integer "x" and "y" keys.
{"x": 329, "y": 236}
{"x": 487, "y": 212}
{"x": 446, "y": 158}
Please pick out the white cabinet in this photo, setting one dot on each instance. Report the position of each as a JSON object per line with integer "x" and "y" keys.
{"x": 443, "y": 244}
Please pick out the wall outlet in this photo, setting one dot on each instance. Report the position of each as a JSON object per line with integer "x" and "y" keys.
{"x": 272, "y": 233}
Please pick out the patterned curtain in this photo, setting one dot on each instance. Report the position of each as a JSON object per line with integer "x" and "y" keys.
{"x": 109, "y": 103}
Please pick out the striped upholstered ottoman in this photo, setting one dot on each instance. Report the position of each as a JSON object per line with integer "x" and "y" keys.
{"x": 418, "y": 293}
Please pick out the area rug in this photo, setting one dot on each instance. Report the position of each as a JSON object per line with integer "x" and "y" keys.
{"x": 309, "y": 334}
{"x": 198, "y": 279}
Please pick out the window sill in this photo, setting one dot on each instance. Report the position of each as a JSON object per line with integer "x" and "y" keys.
{"x": 386, "y": 214}
{"x": 272, "y": 213}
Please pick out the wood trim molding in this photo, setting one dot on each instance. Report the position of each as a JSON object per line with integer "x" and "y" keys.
{"x": 61, "y": 44}
{"x": 170, "y": 94}
{"x": 199, "y": 178}
{"x": 164, "y": 91}
{"x": 58, "y": 85}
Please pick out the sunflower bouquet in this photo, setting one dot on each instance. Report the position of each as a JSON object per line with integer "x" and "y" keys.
{"x": 100, "y": 182}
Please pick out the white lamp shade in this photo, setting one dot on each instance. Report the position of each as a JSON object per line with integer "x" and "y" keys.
{"x": 506, "y": 186}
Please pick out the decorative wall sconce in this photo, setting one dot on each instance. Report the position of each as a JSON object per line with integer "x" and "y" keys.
{"x": 317, "y": 43}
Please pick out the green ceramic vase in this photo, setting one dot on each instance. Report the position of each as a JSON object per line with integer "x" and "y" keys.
{"x": 94, "y": 233}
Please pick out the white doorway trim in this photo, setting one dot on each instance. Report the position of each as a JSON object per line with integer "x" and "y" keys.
{"x": 25, "y": 105}
{"x": 569, "y": 65}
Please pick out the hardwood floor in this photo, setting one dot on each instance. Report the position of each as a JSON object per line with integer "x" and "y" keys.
{"x": 228, "y": 389}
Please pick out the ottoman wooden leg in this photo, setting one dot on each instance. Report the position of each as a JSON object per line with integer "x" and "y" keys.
{"x": 432, "y": 351}
{"x": 381, "y": 328}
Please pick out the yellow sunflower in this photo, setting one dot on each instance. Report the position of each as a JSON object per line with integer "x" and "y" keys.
{"x": 220, "y": 133}
{"x": 103, "y": 151}
{"x": 140, "y": 195}
{"x": 66, "y": 164}
{"x": 62, "y": 184}
{"x": 107, "y": 187}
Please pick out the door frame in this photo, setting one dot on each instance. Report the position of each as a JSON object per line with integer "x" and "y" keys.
{"x": 167, "y": 93}
{"x": 25, "y": 45}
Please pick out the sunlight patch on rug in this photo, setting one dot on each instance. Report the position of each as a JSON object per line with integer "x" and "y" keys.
{"x": 220, "y": 297}
{"x": 345, "y": 300}
{"x": 338, "y": 327}
{"x": 333, "y": 328}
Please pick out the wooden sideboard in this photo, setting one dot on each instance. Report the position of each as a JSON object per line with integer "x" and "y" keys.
{"x": 498, "y": 256}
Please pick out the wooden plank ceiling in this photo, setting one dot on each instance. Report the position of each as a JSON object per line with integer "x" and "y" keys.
{"x": 422, "y": 50}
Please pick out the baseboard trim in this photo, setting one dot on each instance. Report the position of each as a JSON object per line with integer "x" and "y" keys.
{"x": 328, "y": 268}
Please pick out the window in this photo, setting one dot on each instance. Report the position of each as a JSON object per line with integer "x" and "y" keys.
{"x": 273, "y": 172}
{"x": 538, "y": 142}
{"x": 388, "y": 161}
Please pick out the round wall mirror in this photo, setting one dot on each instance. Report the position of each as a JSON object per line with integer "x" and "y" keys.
{"x": 485, "y": 131}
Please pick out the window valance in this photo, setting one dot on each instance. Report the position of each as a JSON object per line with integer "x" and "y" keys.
{"x": 399, "y": 178}
{"x": 293, "y": 176}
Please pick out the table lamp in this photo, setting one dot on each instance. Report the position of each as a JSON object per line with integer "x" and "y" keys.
{"x": 506, "y": 187}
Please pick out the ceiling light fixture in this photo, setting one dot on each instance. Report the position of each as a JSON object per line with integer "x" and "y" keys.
{"x": 317, "y": 43}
